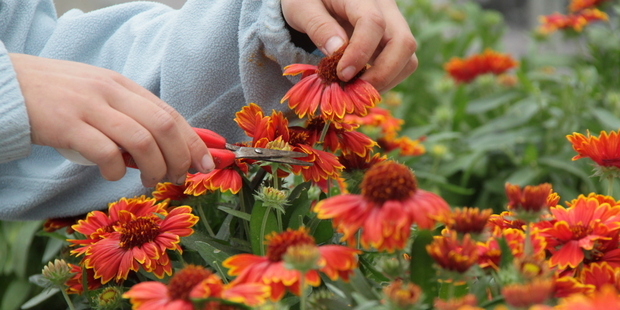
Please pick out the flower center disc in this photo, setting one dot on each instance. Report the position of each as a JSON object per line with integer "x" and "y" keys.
{"x": 138, "y": 232}
{"x": 183, "y": 281}
{"x": 388, "y": 181}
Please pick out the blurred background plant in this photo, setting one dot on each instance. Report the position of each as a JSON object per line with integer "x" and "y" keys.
{"x": 478, "y": 135}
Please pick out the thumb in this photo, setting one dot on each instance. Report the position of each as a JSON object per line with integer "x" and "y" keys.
{"x": 324, "y": 31}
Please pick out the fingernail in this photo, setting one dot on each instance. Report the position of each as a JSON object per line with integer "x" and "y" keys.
{"x": 348, "y": 73}
{"x": 333, "y": 44}
{"x": 207, "y": 163}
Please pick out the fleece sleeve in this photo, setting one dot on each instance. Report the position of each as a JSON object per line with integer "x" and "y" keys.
{"x": 207, "y": 60}
{"x": 14, "y": 128}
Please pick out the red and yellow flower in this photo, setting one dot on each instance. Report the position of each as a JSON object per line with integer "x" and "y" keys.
{"x": 169, "y": 191}
{"x": 524, "y": 295}
{"x": 467, "y": 220}
{"x": 320, "y": 88}
{"x": 193, "y": 282}
{"x": 334, "y": 261}
{"x": 575, "y": 21}
{"x": 578, "y": 5}
{"x": 266, "y": 129}
{"x": 452, "y": 253}
{"x": 530, "y": 199}
{"x": 390, "y": 202}
{"x": 576, "y": 229}
{"x": 226, "y": 179}
{"x": 467, "y": 69}
{"x": 606, "y": 298}
{"x": 135, "y": 233}
{"x": 604, "y": 150}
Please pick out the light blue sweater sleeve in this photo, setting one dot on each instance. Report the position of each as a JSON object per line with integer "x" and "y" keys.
{"x": 207, "y": 60}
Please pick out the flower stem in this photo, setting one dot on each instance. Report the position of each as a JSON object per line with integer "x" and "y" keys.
{"x": 262, "y": 228}
{"x": 324, "y": 132}
{"x": 203, "y": 219}
{"x": 527, "y": 246}
{"x": 610, "y": 185}
{"x": 67, "y": 299}
{"x": 302, "y": 288}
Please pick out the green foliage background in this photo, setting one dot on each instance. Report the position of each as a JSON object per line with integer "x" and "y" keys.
{"x": 478, "y": 136}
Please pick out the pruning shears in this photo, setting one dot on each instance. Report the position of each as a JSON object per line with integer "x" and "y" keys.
{"x": 223, "y": 153}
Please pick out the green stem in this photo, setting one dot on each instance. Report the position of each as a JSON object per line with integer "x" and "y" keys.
{"x": 610, "y": 186}
{"x": 527, "y": 246}
{"x": 243, "y": 208}
{"x": 262, "y": 229}
{"x": 67, "y": 299}
{"x": 324, "y": 132}
{"x": 302, "y": 288}
{"x": 203, "y": 219}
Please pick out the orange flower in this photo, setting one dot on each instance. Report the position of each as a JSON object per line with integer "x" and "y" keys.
{"x": 575, "y": 21}
{"x": 227, "y": 179}
{"x": 530, "y": 199}
{"x": 578, "y": 5}
{"x": 465, "y": 70}
{"x": 607, "y": 298}
{"x": 598, "y": 275}
{"x": 339, "y": 137}
{"x": 461, "y": 303}
{"x": 74, "y": 284}
{"x": 169, "y": 191}
{"x": 193, "y": 282}
{"x": 499, "y": 222}
{"x": 335, "y": 261}
{"x": 389, "y": 204}
{"x": 378, "y": 117}
{"x": 321, "y": 88}
{"x": 55, "y": 224}
{"x": 468, "y": 220}
{"x": 406, "y": 145}
{"x": 528, "y": 294}
{"x": 603, "y": 150}
{"x": 402, "y": 295}
{"x": 266, "y": 129}
{"x": 130, "y": 236}
{"x": 577, "y": 228}
{"x": 453, "y": 254}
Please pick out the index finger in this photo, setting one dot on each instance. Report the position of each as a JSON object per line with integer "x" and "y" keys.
{"x": 368, "y": 29}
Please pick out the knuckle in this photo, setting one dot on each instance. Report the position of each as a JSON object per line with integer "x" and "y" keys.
{"x": 409, "y": 44}
{"x": 142, "y": 141}
{"x": 164, "y": 120}
{"x": 376, "y": 18}
{"x": 318, "y": 25}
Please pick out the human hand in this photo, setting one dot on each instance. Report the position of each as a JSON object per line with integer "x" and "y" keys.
{"x": 95, "y": 111}
{"x": 379, "y": 35}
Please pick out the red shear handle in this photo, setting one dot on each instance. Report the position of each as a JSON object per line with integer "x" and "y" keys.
{"x": 210, "y": 138}
{"x": 222, "y": 158}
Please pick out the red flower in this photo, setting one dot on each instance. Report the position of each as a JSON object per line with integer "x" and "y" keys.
{"x": 453, "y": 254}
{"x": 169, "y": 191}
{"x": 575, "y": 21}
{"x": 598, "y": 275}
{"x": 321, "y": 88}
{"x": 578, "y": 5}
{"x": 266, "y": 130}
{"x": 193, "y": 282}
{"x": 339, "y": 137}
{"x": 131, "y": 236}
{"x": 226, "y": 179}
{"x": 74, "y": 284}
{"x": 465, "y": 70}
{"x": 389, "y": 204}
{"x": 603, "y": 150}
{"x": 577, "y": 228}
{"x": 335, "y": 261}
{"x": 378, "y": 117}
{"x": 405, "y": 145}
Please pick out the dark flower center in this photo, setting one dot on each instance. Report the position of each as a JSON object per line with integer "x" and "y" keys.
{"x": 388, "y": 181}
{"x": 138, "y": 232}
{"x": 183, "y": 281}
{"x": 327, "y": 68}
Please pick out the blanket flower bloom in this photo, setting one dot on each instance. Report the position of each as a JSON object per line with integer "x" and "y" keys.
{"x": 334, "y": 261}
{"x": 266, "y": 129}
{"x": 604, "y": 150}
{"x": 577, "y": 228}
{"x": 452, "y": 253}
{"x": 167, "y": 190}
{"x": 390, "y": 202}
{"x": 193, "y": 282}
{"x": 226, "y": 179}
{"x": 130, "y": 236}
{"x": 466, "y": 70}
{"x": 578, "y": 5}
{"x": 320, "y": 87}
{"x": 575, "y": 21}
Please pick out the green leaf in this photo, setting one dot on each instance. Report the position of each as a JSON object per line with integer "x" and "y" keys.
{"x": 485, "y": 104}
{"x": 523, "y": 176}
{"x": 242, "y": 215}
{"x": 506, "y": 257}
{"x": 262, "y": 223}
{"x": 606, "y": 118}
{"x": 15, "y": 294}
{"x": 324, "y": 231}
{"x": 213, "y": 255}
{"x": 421, "y": 269}
{"x": 298, "y": 207}
{"x": 41, "y": 297}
